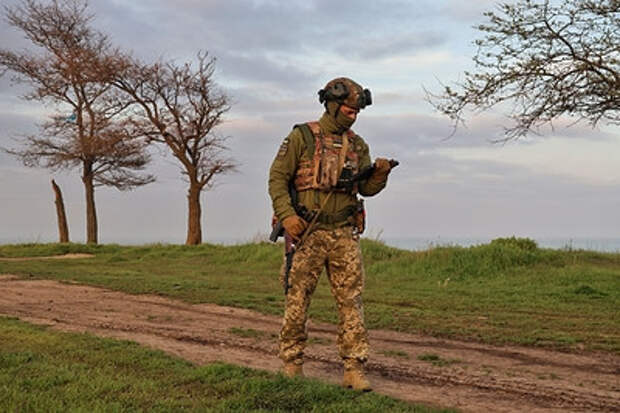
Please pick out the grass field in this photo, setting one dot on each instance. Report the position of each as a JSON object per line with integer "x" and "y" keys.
{"x": 47, "y": 371}
{"x": 508, "y": 291}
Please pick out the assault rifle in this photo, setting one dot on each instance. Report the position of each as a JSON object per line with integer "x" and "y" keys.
{"x": 347, "y": 180}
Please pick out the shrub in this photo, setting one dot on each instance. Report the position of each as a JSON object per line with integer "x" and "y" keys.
{"x": 525, "y": 244}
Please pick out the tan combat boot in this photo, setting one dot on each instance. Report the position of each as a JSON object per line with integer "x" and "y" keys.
{"x": 292, "y": 369}
{"x": 354, "y": 376}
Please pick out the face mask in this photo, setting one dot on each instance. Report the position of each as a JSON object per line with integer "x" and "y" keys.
{"x": 344, "y": 121}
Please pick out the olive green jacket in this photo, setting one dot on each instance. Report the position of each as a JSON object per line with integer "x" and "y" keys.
{"x": 284, "y": 167}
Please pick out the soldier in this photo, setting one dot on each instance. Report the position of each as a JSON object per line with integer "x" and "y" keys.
{"x": 315, "y": 157}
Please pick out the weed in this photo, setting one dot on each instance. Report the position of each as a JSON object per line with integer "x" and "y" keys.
{"x": 42, "y": 370}
{"x": 246, "y": 332}
{"x": 535, "y": 296}
{"x": 436, "y": 360}
{"x": 525, "y": 244}
{"x": 589, "y": 291}
{"x": 320, "y": 341}
{"x": 396, "y": 354}
{"x": 154, "y": 318}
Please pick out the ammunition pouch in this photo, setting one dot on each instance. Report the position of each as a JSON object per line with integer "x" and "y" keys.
{"x": 354, "y": 215}
{"x": 329, "y": 162}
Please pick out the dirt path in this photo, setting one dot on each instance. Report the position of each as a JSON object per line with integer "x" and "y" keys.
{"x": 52, "y": 257}
{"x": 475, "y": 377}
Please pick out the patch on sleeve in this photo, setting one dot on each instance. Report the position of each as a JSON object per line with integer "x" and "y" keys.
{"x": 283, "y": 148}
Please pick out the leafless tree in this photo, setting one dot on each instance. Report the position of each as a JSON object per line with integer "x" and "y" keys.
{"x": 180, "y": 106}
{"x": 71, "y": 69}
{"x": 546, "y": 59}
{"x": 63, "y": 228}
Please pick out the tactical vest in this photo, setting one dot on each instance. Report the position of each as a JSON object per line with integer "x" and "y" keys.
{"x": 328, "y": 157}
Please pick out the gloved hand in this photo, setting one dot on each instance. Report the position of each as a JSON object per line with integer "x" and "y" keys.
{"x": 382, "y": 170}
{"x": 294, "y": 225}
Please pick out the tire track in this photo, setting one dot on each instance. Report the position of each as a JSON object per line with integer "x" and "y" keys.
{"x": 472, "y": 376}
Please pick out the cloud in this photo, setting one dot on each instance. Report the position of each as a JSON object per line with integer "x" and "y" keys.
{"x": 272, "y": 58}
{"x": 594, "y": 162}
{"x": 270, "y": 30}
{"x": 381, "y": 47}
{"x": 16, "y": 122}
{"x": 261, "y": 69}
{"x": 275, "y": 106}
{"x": 434, "y": 195}
{"x": 471, "y": 11}
{"x": 416, "y": 131}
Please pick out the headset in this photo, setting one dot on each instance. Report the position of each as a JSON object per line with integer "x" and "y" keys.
{"x": 339, "y": 92}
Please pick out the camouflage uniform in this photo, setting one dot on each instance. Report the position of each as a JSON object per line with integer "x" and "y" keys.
{"x": 332, "y": 244}
{"x": 338, "y": 252}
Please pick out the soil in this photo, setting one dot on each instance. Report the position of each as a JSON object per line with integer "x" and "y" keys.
{"x": 53, "y": 257}
{"x": 449, "y": 373}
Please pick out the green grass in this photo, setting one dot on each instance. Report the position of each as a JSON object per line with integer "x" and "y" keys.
{"x": 321, "y": 341}
{"x": 41, "y": 250}
{"x": 42, "y": 370}
{"x": 246, "y": 332}
{"x": 396, "y": 354}
{"x": 508, "y": 291}
{"x": 436, "y": 360}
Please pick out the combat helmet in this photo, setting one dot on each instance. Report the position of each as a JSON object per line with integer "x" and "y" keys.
{"x": 345, "y": 91}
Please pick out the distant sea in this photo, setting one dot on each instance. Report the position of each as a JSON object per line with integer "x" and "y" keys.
{"x": 412, "y": 243}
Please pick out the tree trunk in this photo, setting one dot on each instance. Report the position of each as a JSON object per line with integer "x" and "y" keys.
{"x": 91, "y": 212}
{"x": 63, "y": 229}
{"x": 194, "y": 231}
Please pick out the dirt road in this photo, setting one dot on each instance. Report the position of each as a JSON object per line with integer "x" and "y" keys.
{"x": 467, "y": 375}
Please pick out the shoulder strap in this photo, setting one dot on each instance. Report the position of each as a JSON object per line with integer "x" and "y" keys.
{"x": 351, "y": 135}
{"x": 357, "y": 143}
{"x": 309, "y": 131}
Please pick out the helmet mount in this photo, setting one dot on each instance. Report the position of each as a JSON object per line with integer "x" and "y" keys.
{"x": 346, "y": 92}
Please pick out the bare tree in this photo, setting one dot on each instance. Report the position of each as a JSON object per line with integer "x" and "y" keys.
{"x": 547, "y": 59}
{"x": 72, "y": 68}
{"x": 63, "y": 229}
{"x": 180, "y": 106}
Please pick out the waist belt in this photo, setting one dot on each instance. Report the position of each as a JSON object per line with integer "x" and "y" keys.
{"x": 338, "y": 217}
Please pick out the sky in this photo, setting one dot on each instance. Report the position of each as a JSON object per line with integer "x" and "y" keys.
{"x": 272, "y": 58}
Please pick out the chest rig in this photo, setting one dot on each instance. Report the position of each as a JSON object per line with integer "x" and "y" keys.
{"x": 327, "y": 160}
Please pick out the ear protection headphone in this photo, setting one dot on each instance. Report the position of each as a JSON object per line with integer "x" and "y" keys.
{"x": 339, "y": 92}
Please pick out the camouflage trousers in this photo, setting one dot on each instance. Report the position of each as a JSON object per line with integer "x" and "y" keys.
{"x": 339, "y": 253}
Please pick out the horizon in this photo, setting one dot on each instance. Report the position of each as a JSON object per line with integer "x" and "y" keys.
{"x": 603, "y": 244}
